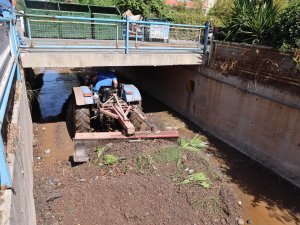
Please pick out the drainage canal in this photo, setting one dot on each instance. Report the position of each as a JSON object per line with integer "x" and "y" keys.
{"x": 144, "y": 185}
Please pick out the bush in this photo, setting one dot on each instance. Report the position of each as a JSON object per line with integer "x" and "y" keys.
{"x": 287, "y": 27}
{"x": 150, "y": 8}
{"x": 251, "y": 21}
{"x": 186, "y": 17}
{"x": 220, "y": 11}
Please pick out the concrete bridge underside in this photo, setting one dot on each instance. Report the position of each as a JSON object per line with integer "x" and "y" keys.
{"x": 100, "y": 58}
{"x": 63, "y": 55}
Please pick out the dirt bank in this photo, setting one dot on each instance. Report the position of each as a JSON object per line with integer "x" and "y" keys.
{"x": 142, "y": 188}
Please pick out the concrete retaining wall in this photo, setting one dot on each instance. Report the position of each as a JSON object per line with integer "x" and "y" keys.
{"x": 260, "y": 121}
{"x": 18, "y": 207}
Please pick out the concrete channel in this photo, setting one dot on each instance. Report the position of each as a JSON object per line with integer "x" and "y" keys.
{"x": 254, "y": 130}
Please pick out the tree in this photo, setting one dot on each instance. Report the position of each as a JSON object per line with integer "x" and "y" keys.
{"x": 221, "y": 10}
{"x": 147, "y": 8}
{"x": 198, "y": 5}
{"x": 287, "y": 27}
{"x": 96, "y": 2}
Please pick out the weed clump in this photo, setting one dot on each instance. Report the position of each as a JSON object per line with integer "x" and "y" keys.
{"x": 167, "y": 155}
{"x": 197, "y": 178}
{"x": 195, "y": 144}
{"x": 110, "y": 159}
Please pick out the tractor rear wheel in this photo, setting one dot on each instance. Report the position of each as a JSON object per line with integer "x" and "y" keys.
{"x": 82, "y": 119}
{"x": 135, "y": 118}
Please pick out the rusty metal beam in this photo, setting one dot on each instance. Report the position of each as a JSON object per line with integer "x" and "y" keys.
{"x": 124, "y": 121}
{"x": 120, "y": 135}
{"x": 84, "y": 142}
{"x": 115, "y": 116}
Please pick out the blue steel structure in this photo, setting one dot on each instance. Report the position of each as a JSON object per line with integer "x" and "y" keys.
{"x": 9, "y": 18}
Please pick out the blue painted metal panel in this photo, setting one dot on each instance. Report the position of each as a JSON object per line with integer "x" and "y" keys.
{"x": 9, "y": 16}
{"x": 5, "y": 178}
{"x": 85, "y": 90}
{"x": 131, "y": 93}
{"x": 70, "y": 47}
{"x": 127, "y": 35}
{"x": 28, "y": 30}
{"x": 108, "y": 47}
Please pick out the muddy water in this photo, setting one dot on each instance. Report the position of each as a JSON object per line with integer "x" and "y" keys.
{"x": 55, "y": 91}
{"x": 265, "y": 198}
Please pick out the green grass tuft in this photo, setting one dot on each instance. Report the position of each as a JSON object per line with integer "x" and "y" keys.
{"x": 167, "y": 155}
{"x": 196, "y": 144}
{"x": 110, "y": 159}
{"x": 198, "y": 178}
{"x": 99, "y": 151}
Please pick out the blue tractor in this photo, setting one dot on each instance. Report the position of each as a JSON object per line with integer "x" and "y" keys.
{"x": 105, "y": 105}
{"x": 106, "y": 111}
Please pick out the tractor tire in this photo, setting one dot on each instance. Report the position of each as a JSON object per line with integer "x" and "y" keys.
{"x": 136, "y": 120}
{"x": 82, "y": 121}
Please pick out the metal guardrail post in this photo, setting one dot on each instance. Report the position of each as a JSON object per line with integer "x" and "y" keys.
{"x": 117, "y": 35}
{"x": 206, "y": 32}
{"x": 199, "y": 39}
{"x": 127, "y": 36}
{"x": 19, "y": 72}
{"x": 29, "y": 31}
{"x": 12, "y": 40}
{"x": 136, "y": 36}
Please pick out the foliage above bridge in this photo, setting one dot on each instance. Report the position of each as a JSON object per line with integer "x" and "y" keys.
{"x": 263, "y": 22}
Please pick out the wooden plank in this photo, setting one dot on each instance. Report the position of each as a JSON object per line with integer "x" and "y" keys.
{"x": 79, "y": 98}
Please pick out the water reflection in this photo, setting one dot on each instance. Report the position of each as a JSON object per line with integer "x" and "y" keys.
{"x": 55, "y": 91}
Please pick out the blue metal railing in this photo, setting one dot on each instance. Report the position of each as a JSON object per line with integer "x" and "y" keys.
{"x": 137, "y": 35}
{"x": 8, "y": 19}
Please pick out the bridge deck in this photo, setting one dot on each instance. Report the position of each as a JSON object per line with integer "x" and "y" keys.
{"x": 88, "y": 53}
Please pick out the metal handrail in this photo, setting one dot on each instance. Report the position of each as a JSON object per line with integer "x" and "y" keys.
{"x": 111, "y": 20}
{"x": 125, "y": 24}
